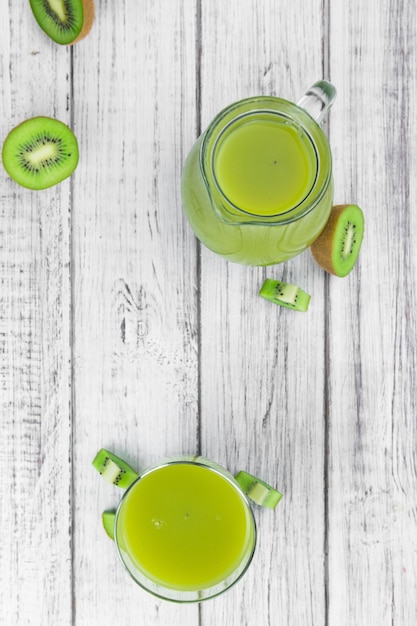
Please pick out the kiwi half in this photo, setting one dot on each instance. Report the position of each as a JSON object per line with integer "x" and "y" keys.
{"x": 64, "y": 21}
{"x": 337, "y": 248}
{"x": 40, "y": 153}
{"x": 285, "y": 294}
{"x": 257, "y": 490}
{"x": 114, "y": 470}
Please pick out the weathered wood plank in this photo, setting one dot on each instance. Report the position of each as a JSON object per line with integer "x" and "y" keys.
{"x": 262, "y": 367}
{"x": 136, "y": 354}
{"x": 139, "y": 295}
{"x": 372, "y": 339}
{"x": 35, "y": 553}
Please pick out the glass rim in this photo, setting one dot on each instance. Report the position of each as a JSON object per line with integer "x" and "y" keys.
{"x": 182, "y": 596}
{"x": 259, "y": 105}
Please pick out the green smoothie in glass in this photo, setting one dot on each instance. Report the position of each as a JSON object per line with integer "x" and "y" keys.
{"x": 184, "y": 528}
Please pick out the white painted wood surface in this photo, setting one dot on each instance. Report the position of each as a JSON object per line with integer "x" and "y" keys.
{"x": 117, "y": 329}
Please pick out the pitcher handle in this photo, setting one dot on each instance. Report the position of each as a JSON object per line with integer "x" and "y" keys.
{"x": 318, "y": 100}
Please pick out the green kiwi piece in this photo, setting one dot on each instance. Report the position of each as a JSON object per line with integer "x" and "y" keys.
{"x": 64, "y": 21}
{"x": 114, "y": 470}
{"x": 337, "y": 248}
{"x": 108, "y": 517}
{"x": 257, "y": 490}
{"x": 40, "y": 152}
{"x": 285, "y": 294}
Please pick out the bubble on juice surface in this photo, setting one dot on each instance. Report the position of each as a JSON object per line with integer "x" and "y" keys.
{"x": 157, "y": 523}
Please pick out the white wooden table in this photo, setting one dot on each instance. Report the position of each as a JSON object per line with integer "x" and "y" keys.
{"x": 118, "y": 330}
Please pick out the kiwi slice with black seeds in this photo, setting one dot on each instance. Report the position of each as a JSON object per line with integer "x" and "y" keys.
{"x": 64, "y": 21}
{"x": 285, "y": 294}
{"x": 337, "y": 248}
{"x": 114, "y": 470}
{"x": 40, "y": 152}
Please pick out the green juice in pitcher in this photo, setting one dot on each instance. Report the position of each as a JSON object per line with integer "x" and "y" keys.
{"x": 264, "y": 167}
{"x": 185, "y": 526}
{"x": 257, "y": 186}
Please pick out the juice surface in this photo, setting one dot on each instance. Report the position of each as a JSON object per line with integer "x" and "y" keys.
{"x": 265, "y": 166}
{"x": 185, "y": 526}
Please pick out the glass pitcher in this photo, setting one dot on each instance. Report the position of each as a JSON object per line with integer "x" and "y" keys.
{"x": 184, "y": 528}
{"x": 257, "y": 185}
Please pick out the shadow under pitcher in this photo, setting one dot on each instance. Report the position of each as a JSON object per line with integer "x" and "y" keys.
{"x": 257, "y": 186}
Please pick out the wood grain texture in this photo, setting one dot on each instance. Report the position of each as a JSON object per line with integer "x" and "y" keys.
{"x": 35, "y": 555}
{"x": 262, "y": 403}
{"x": 135, "y": 303}
{"x": 118, "y": 330}
{"x": 372, "y": 331}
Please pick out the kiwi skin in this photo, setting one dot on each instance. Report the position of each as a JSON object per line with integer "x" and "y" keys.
{"x": 324, "y": 248}
{"x": 89, "y": 12}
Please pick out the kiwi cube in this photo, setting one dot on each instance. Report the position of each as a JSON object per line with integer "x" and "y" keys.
{"x": 285, "y": 294}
